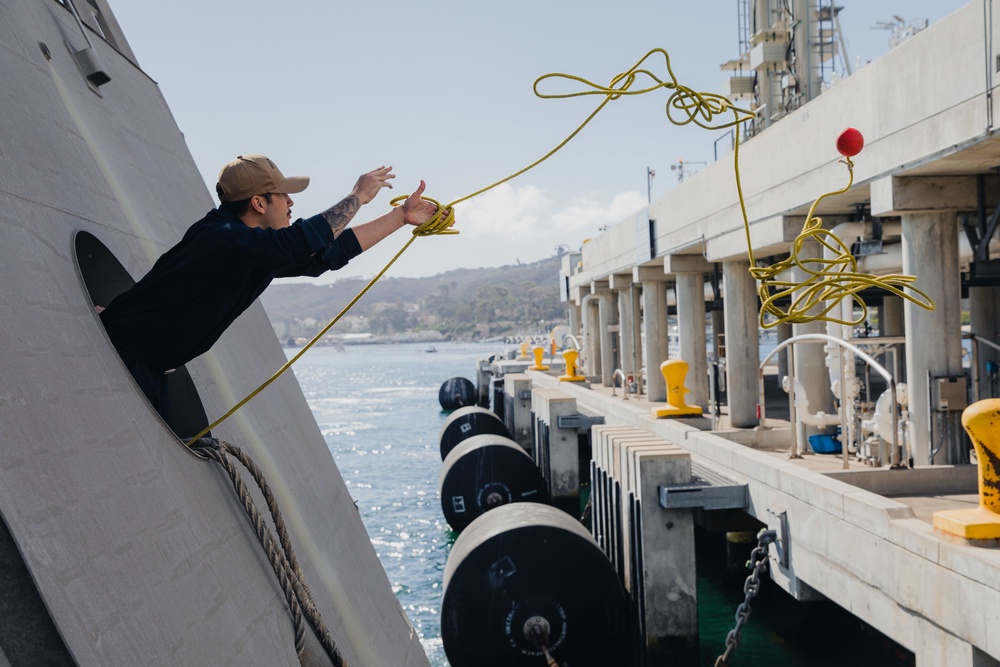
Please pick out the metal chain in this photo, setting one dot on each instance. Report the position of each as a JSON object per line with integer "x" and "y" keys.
{"x": 283, "y": 561}
{"x": 757, "y": 564}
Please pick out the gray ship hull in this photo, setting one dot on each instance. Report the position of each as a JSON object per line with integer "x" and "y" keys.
{"x": 138, "y": 549}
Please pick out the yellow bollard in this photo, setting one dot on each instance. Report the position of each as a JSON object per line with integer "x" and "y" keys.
{"x": 982, "y": 422}
{"x": 570, "y": 357}
{"x": 674, "y": 371}
{"x": 539, "y": 366}
{"x": 524, "y": 353}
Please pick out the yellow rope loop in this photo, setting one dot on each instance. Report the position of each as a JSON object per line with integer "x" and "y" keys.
{"x": 441, "y": 223}
{"x": 697, "y": 107}
{"x": 830, "y": 280}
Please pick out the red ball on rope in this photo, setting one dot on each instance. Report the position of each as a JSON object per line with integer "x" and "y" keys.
{"x": 850, "y": 142}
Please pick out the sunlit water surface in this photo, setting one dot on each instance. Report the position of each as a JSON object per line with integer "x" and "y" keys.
{"x": 377, "y": 406}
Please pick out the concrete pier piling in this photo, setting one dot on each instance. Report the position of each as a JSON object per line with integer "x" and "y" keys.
{"x": 652, "y": 548}
{"x": 517, "y": 408}
{"x": 556, "y": 448}
{"x": 651, "y": 480}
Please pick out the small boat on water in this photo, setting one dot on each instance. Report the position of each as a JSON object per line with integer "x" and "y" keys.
{"x": 432, "y": 349}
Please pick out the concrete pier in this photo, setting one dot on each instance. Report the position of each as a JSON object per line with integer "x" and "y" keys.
{"x": 856, "y": 531}
{"x": 833, "y": 525}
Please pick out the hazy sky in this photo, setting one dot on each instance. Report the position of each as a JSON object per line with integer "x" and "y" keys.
{"x": 442, "y": 91}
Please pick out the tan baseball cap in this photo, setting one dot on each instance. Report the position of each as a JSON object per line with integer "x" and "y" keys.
{"x": 250, "y": 175}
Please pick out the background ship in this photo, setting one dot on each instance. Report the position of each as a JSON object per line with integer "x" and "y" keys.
{"x": 123, "y": 547}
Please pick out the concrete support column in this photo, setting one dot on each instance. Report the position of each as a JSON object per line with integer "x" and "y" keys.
{"x": 926, "y": 205}
{"x": 691, "y": 325}
{"x": 890, "y": 316}
{"x": 623, "y": 289}
{"x": 640, "y": 361}
{"x": 742, "y": 351}
{"x": 937, "y": 648}
{"x": 811, "y": 369}
{"x": 607, "y": 312}
{"x": 575, "y": 322}
{"x": 984, "y": 320}
{"x": 654, "y": 326}
{"x": 591, "y": 351}
{"x": 784, "y": 331}
{"x": 813, "y": 375}
{"x": 930, "y": 252}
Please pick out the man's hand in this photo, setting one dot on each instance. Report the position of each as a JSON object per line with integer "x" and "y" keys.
{"x": 417, "y": 211}
{"x": 369, "y": 184}
{"x": 413, "y": 211}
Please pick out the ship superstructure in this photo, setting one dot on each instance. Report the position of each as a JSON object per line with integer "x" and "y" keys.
{"x": 127, "y": 548}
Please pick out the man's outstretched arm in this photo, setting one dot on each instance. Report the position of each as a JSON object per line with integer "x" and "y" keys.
{"x": 414, "y": 211}
{"x": 340, "y": 214}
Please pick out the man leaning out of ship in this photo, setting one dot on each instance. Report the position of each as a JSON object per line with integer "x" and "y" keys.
{"x": 225, "y": 261}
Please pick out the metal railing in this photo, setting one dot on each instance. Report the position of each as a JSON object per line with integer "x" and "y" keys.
{"x": 815, "y": 338}
{"x": 576, "y": 343}
{"x": 619, "y": 373}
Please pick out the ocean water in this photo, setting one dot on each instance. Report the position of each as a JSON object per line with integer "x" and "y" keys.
{"x": 377, "y": 406}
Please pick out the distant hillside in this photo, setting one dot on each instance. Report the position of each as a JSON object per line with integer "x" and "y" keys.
{"x": 463, "y": 303}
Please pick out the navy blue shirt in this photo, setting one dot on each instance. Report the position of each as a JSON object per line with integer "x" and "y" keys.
{"x": 200, "y": 286}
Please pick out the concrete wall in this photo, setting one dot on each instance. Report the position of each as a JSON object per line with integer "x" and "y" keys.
{"x": 920, "y": 103}
{"x": 625, "y": 244}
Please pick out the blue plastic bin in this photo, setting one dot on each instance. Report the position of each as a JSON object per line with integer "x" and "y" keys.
{"x": 824, "y": 444}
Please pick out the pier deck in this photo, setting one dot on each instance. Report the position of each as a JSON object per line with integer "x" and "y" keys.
{"x": 861, "y": 537}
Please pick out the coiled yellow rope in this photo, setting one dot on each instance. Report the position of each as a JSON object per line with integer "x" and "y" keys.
{"x": 705, "y": 106}
{"x": 830, "y": 280}
{"x": 684, "y": 106}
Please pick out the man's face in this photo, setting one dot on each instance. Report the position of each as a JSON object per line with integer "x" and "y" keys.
{"x": 277, "y": 214}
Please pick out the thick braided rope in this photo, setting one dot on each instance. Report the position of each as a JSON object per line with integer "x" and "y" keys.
{"x": 302, "y": 591}
{"x": 283, "y": 561}
{"x": 213, "y": 450}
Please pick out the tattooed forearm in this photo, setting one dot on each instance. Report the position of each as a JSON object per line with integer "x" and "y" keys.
{"x": 339, "y": 215}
